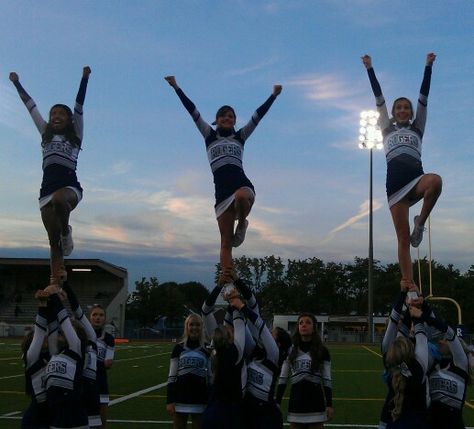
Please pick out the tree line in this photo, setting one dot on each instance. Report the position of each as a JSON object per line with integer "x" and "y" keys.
{"x": 290, "y": 287}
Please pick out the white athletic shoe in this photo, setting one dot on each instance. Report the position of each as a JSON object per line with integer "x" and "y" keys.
{"x": 239, "y": 235}
{"x": 66, "y": 242}
{"x": 417, "y": 235}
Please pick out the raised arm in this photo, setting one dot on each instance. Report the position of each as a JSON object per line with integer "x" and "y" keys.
{"x": 39, "y": 330}
{"x": 207, "y": 311}
{"x": 29, "y": 103}
{"x": 74, "y": 343}
{"x": 79, "y": 313}
{"x": 81, "y": 96}
{"x": 421, "y": 341}
{"x": 203, "y": 127}
{"x": 248, "y": 129}
{"x": 384, "y": 120}
{"x": 421, "y": 109}
{"x": 394, "y": 319}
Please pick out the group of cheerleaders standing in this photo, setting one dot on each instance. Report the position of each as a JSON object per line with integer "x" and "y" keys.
{"x": 246, "y": 358}
{"x": 234, "y": 375}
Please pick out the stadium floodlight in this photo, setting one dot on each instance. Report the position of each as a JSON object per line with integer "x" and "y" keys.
{"x": 370, "y": 137}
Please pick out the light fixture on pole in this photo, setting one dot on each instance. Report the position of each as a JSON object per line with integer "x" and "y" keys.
{"x": 370, "y": 137}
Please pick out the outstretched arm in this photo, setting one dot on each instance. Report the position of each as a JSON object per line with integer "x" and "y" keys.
{"x": 29, "y": 103}
{"x": 421, "y": 109}
{"x": 248, "y": 129}
{"x": 384, "y": 121}
{"x": 81, "y": 96}
{"x": 203, "y": 127}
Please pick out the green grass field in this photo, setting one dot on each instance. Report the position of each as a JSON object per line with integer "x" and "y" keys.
{"x": 357, "y": 383}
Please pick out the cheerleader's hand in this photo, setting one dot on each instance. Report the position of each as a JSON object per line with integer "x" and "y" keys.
{"x": 367, "y": 61}
{"x": 42, "y": 298}
{"x": 14, "y": 77}
{"x": 235, "y": 302}
{"x": 277, "y": 90}
{"x": 172, "y": 81}
{"x": 86, "y": 71}
{"x": 430, "y": 58}
{"x": 415, "y": 312}
{"x": 330, "y": 412}
{"x": 170, "y": 408}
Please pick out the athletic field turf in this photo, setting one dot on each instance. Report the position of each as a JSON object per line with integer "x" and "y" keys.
{"x": 138, "y": 386}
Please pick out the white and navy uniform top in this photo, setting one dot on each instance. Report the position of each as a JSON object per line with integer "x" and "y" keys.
{"x": 448, "y": 381}
{"x": 63, "y": 376}
{"x": 402, "y": 143}
{"x": 105, "y": 351}
{"x": 311, "y": 388}
{"x": 262, "y": 368}
{"x": 59, "y": 155}
{"x": 90, "y": 391}
{"x": 225, "y": 148}
{"x": 36, "y": 415}
{"x": 189, "y": 377}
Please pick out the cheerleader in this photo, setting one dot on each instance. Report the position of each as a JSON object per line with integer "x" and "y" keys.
{"x": 408, "y": 363}
{"x": 90, "y": 391}
{"x": 309, "y": 367}
{"x": 263, "y": 369}
{"x": 105, "y": 356}
{"x": 60, "y": 190}
{"x": 36, "y": 357}
{"x": 406, "y": 181}
{"x": 234, "y": 192}
{"x": 63, "y": 378}
{"x": 189, "y": 376}
{"x": 448, "y": 381}
{"x": 225, "y": 408}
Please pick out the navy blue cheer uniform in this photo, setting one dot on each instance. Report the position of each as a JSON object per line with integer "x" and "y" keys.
{"x": 225, "y": 150}
{"x": 402, "y": 143}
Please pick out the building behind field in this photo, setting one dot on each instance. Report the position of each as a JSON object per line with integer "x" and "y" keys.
{"x": 341, "y": 329}
{"x": 94, "y": 281}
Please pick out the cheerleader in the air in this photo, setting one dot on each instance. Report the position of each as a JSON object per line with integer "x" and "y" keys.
{"x": 406, "y": 181}
{"x": 234, "y": 192}
{"x": 189, "y": 376}
{"x": 309, "y": 368}
{"x": 60, "y": 190}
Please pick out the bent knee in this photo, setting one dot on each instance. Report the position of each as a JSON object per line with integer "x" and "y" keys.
{"x": 435, "y": 182}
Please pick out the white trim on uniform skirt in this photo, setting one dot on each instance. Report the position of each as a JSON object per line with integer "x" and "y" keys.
{"x": 403, "y": 192}
{"x": 45, "y": 200}
{"x": 307, "y": 417}
{"x": 224, "y": 205}
{"x": 189, "y": 408}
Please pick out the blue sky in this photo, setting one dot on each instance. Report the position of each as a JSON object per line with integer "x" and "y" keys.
{"x": 148, "y": 201}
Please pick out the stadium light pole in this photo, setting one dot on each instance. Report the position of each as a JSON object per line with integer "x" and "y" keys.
{"x": 370, "y": 137}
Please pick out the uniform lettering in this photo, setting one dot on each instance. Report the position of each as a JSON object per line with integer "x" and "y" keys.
{"x": 194, "y": 362}
{"x": 254, "y": 376}
{"x": 449, "y": 386}
{"x": 57, "y": 367}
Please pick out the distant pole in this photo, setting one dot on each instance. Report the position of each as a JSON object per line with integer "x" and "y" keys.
{"x": 370, "y": 137}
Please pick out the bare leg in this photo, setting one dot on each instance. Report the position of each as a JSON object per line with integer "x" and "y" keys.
{"x": 244, "y": 200}
{"x": 103, "y": 415}
{"x": 55, "y": 217}
{"x": 197, "y": 421}
{"x": 226, "y": 228}
{"x": 429, "y": 188}
{"x": 400, "y": 213}
{"x": 180, "y": 420}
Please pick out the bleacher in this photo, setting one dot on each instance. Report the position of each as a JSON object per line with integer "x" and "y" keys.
{"x": 94, "y": 281}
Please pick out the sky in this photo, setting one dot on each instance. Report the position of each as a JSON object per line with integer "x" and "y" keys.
{"x": 148, "y": 191}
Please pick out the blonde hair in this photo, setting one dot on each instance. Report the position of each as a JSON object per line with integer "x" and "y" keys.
{"x": 187, "y": 321}
{"x": 401, "y": 351}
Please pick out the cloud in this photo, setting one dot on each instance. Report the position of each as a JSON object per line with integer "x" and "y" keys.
{"x": 363, "y": 212}
{"x": 253, "y": 68}
{"x": 330, "y": 90}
